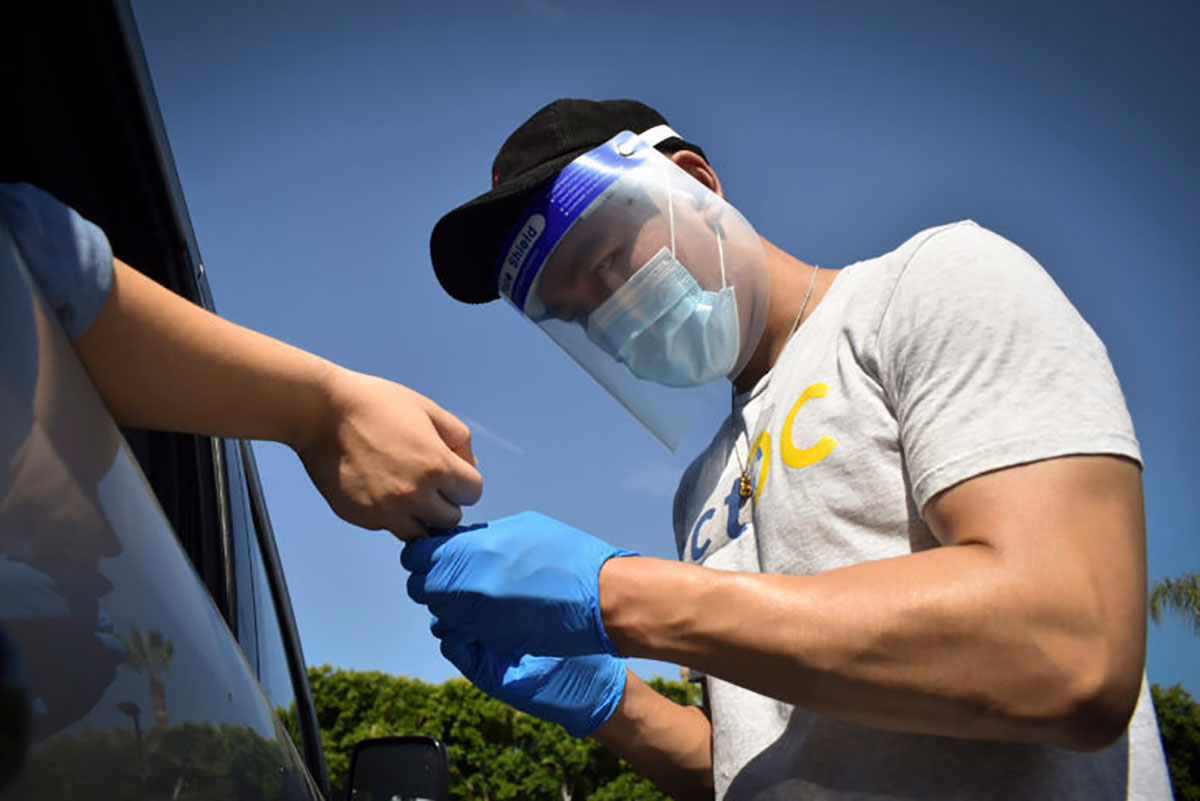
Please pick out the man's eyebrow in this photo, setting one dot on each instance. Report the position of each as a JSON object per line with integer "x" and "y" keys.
{"x": 586, "y": 243}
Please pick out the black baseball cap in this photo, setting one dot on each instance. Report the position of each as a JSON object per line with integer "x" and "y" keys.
{"x": 465, "y": 242}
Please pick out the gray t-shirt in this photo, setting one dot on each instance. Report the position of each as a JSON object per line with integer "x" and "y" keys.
{"x": 953, "y": 355}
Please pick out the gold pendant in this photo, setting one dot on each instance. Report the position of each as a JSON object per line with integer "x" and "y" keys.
{"x": 745, "y": 488}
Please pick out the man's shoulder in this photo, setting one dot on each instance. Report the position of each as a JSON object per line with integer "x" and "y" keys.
{"x": 961, "y": 244}
{"x": 958, "y": 227}
{"x": 884, "y": 270}
{"x": 944, "y": 259}
{"x": 864, "y": 289}
{"x": 930, "y": 241}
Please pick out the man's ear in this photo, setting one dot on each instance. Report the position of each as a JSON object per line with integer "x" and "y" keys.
{"x": 694, "y": 165}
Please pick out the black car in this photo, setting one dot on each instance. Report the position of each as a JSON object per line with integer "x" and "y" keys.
{"x": 147, "y": 644}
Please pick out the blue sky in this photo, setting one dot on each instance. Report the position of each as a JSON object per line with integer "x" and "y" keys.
{"x": 318, "y": 143}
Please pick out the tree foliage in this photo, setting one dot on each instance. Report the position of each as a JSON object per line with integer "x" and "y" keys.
{"x": 1178, "y": 713}
{"x": 1179, "y": 724}
{"x": 1180, "y": 596}
{"x": 180, "y": 762}
{"x": 496, "y": 753}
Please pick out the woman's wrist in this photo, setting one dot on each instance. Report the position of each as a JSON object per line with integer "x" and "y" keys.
{"x": 324, "y": 399}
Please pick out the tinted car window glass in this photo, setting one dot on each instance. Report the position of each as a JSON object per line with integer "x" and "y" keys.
{"x": 241, "y": 523}
{"x": 273, "y": 672}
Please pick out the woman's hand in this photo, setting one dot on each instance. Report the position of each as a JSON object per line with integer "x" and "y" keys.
{"x": 386, "y": 457}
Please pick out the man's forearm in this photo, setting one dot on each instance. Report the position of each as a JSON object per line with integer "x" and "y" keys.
{"x": 907, "y": 644}
{"x": 667, "y": 743}
{"x": 164, "y": 363}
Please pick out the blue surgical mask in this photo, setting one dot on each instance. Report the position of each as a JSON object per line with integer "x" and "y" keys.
{"x": 666, "y": 328}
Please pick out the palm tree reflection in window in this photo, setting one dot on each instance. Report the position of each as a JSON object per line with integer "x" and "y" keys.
{"x": 150, "y": 651}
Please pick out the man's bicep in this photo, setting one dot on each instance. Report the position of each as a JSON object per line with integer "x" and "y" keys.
{"x": 1093, "y": 502}
{"x": 1070, "y": 533}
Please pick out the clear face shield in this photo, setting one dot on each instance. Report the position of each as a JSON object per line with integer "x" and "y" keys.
{"x": 650, "y": 281}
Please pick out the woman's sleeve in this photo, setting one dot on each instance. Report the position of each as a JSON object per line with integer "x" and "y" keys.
{"x": 69, "y": 257}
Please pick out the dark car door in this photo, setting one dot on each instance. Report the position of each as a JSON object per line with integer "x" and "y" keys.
{"x": 147, "y": 646}
{"x": 133, "y": 685}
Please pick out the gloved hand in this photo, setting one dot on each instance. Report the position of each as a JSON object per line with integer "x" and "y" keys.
{"x": 526, "y": 584}
{"x": 579, "y": 693}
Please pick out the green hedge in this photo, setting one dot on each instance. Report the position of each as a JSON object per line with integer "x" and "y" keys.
{"x": 496, "y": 753}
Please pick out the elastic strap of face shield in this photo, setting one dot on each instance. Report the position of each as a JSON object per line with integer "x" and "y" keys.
{"x": 658, "y": 134}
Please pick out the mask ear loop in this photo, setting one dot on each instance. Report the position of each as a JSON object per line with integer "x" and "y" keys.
{"x": 721, "y": 254}
{"x": 720, "y": 233}
{"x": 670, "y": 206}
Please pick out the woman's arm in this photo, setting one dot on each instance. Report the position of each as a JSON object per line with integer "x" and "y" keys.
{"x": 383, "y": 455}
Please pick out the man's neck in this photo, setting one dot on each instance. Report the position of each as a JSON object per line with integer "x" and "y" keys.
{"x": 789, "y": 283}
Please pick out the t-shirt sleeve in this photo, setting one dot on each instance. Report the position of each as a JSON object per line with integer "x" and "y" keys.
{"x": 988, "y": 365}
{"x": 69, "y": 257}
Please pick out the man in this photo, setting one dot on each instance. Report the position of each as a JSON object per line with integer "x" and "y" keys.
{"x": 913, "y": 558}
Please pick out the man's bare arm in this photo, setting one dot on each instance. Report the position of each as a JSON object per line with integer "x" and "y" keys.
{"x": 1028, "y": 626}
{"x": 669, "y": 744}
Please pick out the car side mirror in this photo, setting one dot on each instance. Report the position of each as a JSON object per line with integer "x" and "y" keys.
{"x": 408, "y": 768}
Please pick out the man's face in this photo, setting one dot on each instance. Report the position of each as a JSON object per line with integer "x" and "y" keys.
{"x": 599, "y": 255}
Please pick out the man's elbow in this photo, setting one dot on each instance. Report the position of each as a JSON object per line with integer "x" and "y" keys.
{"x": 1099, "y": 701}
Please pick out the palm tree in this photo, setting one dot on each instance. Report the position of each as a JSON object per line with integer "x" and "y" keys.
{"x": 150, "y": 651}
{"x": 1181, "y": 596}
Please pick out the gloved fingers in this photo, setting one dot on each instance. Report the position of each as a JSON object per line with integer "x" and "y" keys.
{"x": 483, "y": 667}
{"x": 445, "y": 630}
{"x": 466, "y": 656}
{"x": 419, "y": 555}
{"x": 472, "y": 661}
{"x": 416, "y": 587}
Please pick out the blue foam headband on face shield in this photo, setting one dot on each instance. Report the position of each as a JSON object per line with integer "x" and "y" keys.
{"x": 555, "y": 208}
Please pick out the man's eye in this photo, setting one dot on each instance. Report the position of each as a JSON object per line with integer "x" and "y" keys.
{"x": 604, "y": 264}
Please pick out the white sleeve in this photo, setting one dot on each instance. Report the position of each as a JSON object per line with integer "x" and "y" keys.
{"x": 988, "y": 365}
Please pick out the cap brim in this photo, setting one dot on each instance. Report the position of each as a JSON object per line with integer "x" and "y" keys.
{"x": 466, "y": 241}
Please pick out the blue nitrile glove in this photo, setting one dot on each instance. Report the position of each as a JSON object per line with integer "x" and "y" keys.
{"x": 579, "y": 693}
{"x": 526, "y": 584}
